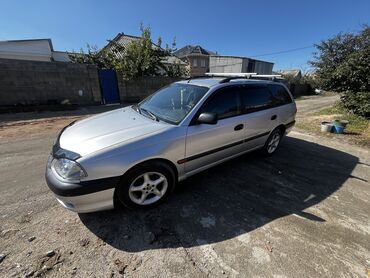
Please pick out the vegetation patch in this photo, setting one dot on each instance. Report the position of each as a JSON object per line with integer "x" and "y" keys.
{"x": 342, "y": 65}
{"x": 357, "y": 131}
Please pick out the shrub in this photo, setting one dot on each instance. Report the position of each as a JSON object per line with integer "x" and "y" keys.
{"x": 357, "y": 102}
{"x": 343, "y": 65}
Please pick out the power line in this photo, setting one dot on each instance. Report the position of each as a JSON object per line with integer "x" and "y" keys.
{"x": 283, "y": 51}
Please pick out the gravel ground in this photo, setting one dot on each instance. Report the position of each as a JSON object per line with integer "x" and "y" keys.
{"x": 302, "y": 213}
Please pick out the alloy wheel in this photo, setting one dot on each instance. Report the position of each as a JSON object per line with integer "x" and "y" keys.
{"x": 148, "y": 188}
{"x": 274, "y": 142}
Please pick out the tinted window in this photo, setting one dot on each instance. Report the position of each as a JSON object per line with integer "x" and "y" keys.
{"x": 225, "y": 103}
{"x": 280, "y": 94}
{"x": 256, "y": 99}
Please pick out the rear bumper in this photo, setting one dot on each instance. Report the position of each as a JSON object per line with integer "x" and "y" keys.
{"x": 84, "y": 196}
{"x": 289, "y": 127}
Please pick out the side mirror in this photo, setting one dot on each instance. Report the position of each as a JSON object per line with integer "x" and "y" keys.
{"x": 208, "y": 118}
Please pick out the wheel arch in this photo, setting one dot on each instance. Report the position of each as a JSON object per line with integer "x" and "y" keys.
{"x": 116, "y": 201}
{"x": 151, "y": 160}
{"x": 282, "y": 127}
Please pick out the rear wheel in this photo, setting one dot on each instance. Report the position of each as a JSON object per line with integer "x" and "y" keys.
{"x": 273, "y": 142}
{"x": 146, "y": 185}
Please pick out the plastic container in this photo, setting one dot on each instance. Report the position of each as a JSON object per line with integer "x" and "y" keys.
{"x": 338, "y": 129}
{"x": 326, "y": 127}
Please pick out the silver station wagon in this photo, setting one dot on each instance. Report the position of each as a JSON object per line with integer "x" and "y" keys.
{"x": 135, "y": 155}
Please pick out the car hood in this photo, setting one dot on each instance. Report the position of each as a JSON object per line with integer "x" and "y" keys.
{"x": 107, "y": 129}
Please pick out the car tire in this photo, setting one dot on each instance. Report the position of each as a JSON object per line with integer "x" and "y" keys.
{"x": 273, "y": 142}
{"x": 146, "y": 185}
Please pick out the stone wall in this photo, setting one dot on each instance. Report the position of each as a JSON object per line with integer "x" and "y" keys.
{"x": 33, "y": 82}
{"x": 138, "y": 89}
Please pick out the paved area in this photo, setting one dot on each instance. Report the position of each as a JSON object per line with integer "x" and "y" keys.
{"x": 302, "y": 213}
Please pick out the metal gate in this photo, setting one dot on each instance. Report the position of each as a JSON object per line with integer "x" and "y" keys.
{"x": 109, "y": 86}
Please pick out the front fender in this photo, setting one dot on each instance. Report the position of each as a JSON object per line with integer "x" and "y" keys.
{"x": 116, "y": 160}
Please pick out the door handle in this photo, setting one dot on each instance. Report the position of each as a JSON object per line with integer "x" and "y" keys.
{"x": 273, "y": 117}
{"x": 239, "y": 127}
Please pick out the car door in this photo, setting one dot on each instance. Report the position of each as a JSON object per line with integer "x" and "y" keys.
{"x": 283, "y": 100}
{"x": 260, "y": 114}
{"x": 208, "y": 144}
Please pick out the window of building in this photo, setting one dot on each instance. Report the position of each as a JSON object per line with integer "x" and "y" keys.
{"x": 195, "y": 62}
{"x": 203, "y": 63}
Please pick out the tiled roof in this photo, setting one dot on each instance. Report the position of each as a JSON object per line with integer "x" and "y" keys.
{"x": 192, "y": 49}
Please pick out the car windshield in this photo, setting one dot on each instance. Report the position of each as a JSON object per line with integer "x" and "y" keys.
{"x": 172, "y": 103}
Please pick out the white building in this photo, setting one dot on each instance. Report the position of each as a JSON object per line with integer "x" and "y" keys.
{"x": 33, "y": 50}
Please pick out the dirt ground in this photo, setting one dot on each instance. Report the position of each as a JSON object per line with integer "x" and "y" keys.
{"x": 302, "y": 213}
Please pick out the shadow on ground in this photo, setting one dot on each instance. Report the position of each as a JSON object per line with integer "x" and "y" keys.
{"x": 230, "y": 199}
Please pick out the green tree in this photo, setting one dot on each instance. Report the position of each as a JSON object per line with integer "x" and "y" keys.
{"x": 343, "y": 65}
{"x": 139, "y": 58}
{"x": 103, "y": 59}
{"x": 177, "y": 70}
{"x": 144, "y": 58}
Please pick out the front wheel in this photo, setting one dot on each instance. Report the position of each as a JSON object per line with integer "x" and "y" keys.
{"x": 273, "y": 142}
{"x": 146, "y": 185}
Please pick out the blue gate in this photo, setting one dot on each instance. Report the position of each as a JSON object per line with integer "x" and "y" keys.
{"x": 109, "y": 86}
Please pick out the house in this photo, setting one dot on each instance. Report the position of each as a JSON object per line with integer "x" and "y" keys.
{"x": 32, "y": 50}
{"x": 124, "y": 40}
{"x": 235, "y": 64}
{"x": 197, "y": 57}
{"x": 291, "y": 74}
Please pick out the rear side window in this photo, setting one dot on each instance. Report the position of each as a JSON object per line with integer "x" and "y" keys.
{"x": 224, "y": 102}
{"x": 256, "y": 99}
{"x": 280, "y": 94}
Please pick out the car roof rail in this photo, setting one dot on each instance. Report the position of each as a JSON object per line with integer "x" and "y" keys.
{"x": 244, "y": 75}
{"x": 196, "y": 77}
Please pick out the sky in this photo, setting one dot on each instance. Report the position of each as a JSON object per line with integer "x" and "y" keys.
{"x": 237, "y": 28}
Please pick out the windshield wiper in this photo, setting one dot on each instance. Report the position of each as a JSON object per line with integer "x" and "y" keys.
{"x": 152, "y": 115}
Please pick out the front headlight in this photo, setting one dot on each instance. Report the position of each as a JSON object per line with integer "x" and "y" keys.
{"x": 68, "y": 169}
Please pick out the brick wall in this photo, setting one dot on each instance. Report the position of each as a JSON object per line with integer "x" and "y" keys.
{"x": 138, "y": 89}
{"x": 33, "y": 82}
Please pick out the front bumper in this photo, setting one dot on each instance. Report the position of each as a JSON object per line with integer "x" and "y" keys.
{"x": 84, "y": 196}
{"x": 102, "y": 200}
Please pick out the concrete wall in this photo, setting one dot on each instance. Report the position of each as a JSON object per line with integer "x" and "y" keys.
{"x": 138, "y": 89}
{"x": 225, "y": 64}
{"x": 34, "y": 82}
{"x": 232, "y": 64}
{"x": 263, "y": 67}
{"x": 60, "y": 56}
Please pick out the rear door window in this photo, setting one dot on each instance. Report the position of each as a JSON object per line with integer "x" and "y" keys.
{"x": 280, "y": 94}
{"x": 256, "y": 98}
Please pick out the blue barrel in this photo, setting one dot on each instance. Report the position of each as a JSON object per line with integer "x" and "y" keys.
{"x": 338, "y": 129}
